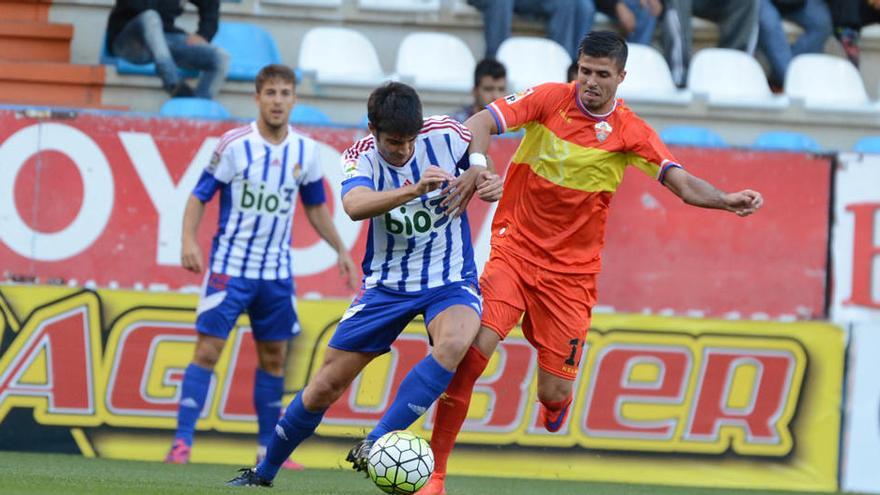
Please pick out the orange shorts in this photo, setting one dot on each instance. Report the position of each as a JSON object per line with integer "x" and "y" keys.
{"x": 555, "y": 307}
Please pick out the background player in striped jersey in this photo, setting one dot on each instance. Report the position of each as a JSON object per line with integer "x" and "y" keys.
{"x": 418, "y": 261}
{"x": 257, "y": 169}
{"x": 548, "y": 230}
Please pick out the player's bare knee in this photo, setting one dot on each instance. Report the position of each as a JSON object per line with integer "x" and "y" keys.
{"x": 207, "y": 352}
{"x": 452, "y": 349}
{"x": 554, "y": 391}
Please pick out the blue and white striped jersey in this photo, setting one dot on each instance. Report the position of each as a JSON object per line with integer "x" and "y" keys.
{"x": 257, "y": 181}
{"x": 415, "y": 246}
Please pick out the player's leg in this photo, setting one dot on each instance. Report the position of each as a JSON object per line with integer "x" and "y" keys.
{"x": 503, "y": 304}
{"x": 274, "y": 323}
{"x": 223, "y": 300}
{"x": 452, "y": 315}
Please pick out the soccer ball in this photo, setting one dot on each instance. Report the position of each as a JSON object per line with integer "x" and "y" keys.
{"x": 400, "y": 463}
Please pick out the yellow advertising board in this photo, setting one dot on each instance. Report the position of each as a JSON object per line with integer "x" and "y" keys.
{"x": 662, "y": 400}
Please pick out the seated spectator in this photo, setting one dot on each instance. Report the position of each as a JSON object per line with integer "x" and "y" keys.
{"x": 567, "y": 21}
{"x": 849, "y": 17}
{"x": 812, "y": 16}
{"x": 637, "y": 18}
{"x": 142, "y": 31}
{"x": 490, "y": 83}
{"x": 572, "y": 73}
{"x": 737, "y": 22}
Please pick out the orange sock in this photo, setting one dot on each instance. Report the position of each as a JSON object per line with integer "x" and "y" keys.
{"x": 452, "y": 407}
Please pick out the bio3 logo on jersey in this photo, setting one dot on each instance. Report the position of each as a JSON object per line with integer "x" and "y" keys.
{"x": 260, "y": 200}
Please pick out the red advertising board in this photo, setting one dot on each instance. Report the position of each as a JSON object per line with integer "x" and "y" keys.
{"x": 98, "y": 198}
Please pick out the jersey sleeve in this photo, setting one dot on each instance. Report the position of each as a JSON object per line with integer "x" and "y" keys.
{"x": 219, "y": 172}
{"x": 357, "y": 168}
{"x": 647, "y": 151}
{"x": 311, "y": 189}
{"x": 513, "y": 111}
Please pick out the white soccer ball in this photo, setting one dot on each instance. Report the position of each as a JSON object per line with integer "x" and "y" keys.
{"x": 400, "y": 462}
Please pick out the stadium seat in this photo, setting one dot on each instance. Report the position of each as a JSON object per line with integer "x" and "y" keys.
{"x": 826, "y": 82}
{"x": 530, "y": 61}
{"x": 687, "y": 135}
{"x": 193, "y": 107}
{"x": 249, "y": 46}
{"x": 450, "y": 66}
{"x": 401, "y": 5}
{"x": 309, "y": 115}
{"x": 786, "y": 141}
{"x": 731, "y": 78}
{"x": 868, "y": 144}
{"x": 648, "y": 78}
{"x": 337, "y": 55}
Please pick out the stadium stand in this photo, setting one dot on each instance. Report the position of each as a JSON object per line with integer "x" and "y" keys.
{"x": 335, "y": 55}
{"x": 194, "y": 107}
{"x": 309, "y": 115}
{"x": 828, "y": 83}
{"x": 786, "y": 141}
{"x": 449, "y": 67}
{"x": 868, "y": 144}
{"x": 648, "y": 78}
{"x": 401, "y": 5}
{"x": 731, "y": 78}
{"x": 687, "y": 135}
{"x": 530, "y": 61}
{"x": 249, "y": 46}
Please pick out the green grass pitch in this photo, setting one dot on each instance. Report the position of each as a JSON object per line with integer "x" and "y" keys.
{"x": 58, "y": 474}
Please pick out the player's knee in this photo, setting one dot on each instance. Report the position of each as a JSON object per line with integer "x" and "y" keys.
{"x": 206, "y": 358}
{"x": 451, "y": 351}
{"x": 553, "y": 393}
{"x": 323, "y": 392}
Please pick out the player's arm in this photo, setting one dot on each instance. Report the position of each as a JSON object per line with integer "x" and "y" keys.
{"x": 698, "y": 192}
{"x": 190, "y": 252}
{"x": 361, "y": 202}
{"x": 320, "y": 219}
{"x": 480, "y": 177}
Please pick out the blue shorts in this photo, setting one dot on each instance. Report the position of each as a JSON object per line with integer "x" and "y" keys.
{"x": 378, "y": 315}
{"x": 270, "y": 304}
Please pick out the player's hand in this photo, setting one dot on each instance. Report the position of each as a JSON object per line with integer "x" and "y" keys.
{"x": 191, "y": 256}
{"x": 348, "y": 270}
{"x": 489, "y": 186}
{"x": 460, "y": 191}
{"x": 743, "y": 203}
{"x": 432, "y": 178}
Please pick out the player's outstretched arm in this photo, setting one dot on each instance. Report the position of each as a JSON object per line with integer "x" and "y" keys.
{"x": 320, "y": 219}
{"x": 361, "y": 203}
{"x": 482, "y": 125}
{"x": 697, "y": 192}
{"x": 190, "y": 252}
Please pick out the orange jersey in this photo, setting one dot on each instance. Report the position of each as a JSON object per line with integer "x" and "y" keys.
{"x": 562, "y": 177}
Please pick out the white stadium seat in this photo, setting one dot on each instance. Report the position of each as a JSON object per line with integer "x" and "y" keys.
{"x": 826, "y": 82}
{"x": 648, "y": 78}
{"x": 337, "y": 55}
{"x": 531, "y": 61}
{"x": 401, "y": 5}
{"x": 436, "y": 61}
{"x": 731, "y": 78}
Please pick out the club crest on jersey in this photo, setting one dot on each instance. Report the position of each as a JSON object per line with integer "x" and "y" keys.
{"x": 515, "y": 97}
{"x": 603, "y": 130}
{"x": 215, "y": 160}
{"x": 275, "y": 162}
{"x": 297, "y": 170}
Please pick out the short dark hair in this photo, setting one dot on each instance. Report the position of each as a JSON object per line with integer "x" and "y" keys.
{"x": 602, "y": 44}
{"x": 275, "y": 71}
{"x": 489, "y": 67}
{"x": 395, "y": 108}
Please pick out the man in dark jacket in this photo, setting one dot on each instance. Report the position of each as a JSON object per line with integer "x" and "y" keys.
{"x": 143, "y": 31}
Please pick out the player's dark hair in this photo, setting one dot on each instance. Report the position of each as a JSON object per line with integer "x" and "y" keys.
{"x": 274, "y": 71}
{"x": 489, "y": 67}
{"x": 604, "y": 44}
{"x": 395, "y": 108}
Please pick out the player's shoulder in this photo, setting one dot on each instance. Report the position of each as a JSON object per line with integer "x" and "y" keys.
{"x": 233, "y": 136}
{"x": 362, "y": 147}
{"x": 628, "y": 117}
{"x": 444, "y": 124}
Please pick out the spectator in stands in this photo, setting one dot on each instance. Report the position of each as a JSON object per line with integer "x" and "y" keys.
{"x": 637, "y": 18}
{"x": 143, "y": 31}
{"x": 737, "y": 22}
{"x": 567, "y": 21}
{"x": 812, "y": 16}
{"x": 849, "y": 17}
{"x": 490, "y": 83}
{"x": 572, "y": 72}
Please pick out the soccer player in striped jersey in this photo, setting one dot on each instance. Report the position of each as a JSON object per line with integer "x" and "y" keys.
{"x": 258, "y": 169}
{"x": 418, "y": 261}
{"x": 548, "y": 229}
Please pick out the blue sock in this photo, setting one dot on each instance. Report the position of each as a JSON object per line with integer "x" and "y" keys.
{"x": 196, "y": 381}
{"x": 297, "y": 424}
{"x": 268, "y": 390}
{"x": 418, "y": 390}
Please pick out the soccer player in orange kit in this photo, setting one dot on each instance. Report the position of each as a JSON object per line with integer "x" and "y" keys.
{"x": 549, "y": 228}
